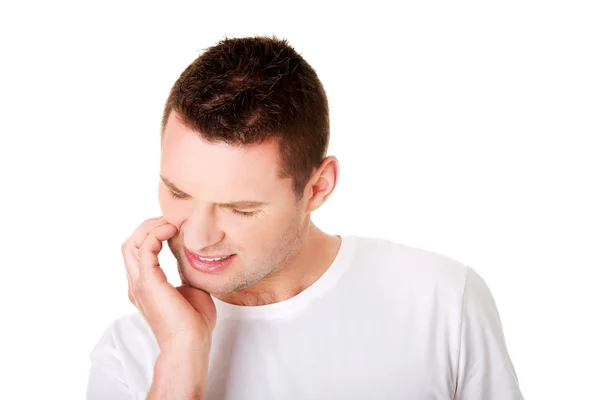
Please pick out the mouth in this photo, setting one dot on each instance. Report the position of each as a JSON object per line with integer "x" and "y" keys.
{"x": 210, "y": 265}
{"x": 214, "y": 258}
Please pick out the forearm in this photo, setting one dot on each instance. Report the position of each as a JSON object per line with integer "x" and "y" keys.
{"x": 180, "y": 372}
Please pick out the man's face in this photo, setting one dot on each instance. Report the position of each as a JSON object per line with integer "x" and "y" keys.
{"x": 206, "y": 174}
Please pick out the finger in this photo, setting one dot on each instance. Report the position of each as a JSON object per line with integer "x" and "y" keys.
{"x": 131, "y": 245}
{"x": 138, "y": 285}
{"x": 148, "y": 252}
{"x": 142, "y": 231}
{"x": 130, "y": 293}
{"x": 132, "y": 273}
{"x": 132, "y": 269}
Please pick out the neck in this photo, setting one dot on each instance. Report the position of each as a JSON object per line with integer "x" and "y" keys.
{"x": 306, "y": 264}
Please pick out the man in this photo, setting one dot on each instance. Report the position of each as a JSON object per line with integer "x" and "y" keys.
{"x": 271, "y": 307}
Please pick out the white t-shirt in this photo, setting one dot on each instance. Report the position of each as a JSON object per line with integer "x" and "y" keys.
{"x": 385, "y": 321}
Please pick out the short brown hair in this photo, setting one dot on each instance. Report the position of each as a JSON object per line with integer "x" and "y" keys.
{"x": 249, "y": 90}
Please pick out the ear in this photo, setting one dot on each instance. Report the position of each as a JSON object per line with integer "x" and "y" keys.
{"x": 321, "y": 184}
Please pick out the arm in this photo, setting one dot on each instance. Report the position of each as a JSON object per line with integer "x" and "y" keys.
{"x": 485, "y": 370}
{"x": 181, "y": 319}
{"x": 180, "y": 372}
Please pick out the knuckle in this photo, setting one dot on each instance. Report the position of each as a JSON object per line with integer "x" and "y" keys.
{"x": 145, "y": 242}
{"x": 143, "y": 254}
{"x": 131, "y": 297}
{"x": 150, "y": 244}
{"x": 125, "y": 246}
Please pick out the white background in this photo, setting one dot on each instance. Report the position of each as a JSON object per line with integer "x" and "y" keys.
{"x": 466, "y": 128}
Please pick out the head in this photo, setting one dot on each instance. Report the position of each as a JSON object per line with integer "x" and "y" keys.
{"x": 244, "y": 139}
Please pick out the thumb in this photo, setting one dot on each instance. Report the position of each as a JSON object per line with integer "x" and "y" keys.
{"x": 201, "y": 301}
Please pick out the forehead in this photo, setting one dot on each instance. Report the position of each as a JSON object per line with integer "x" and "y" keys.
{"x": 193, "y": 163}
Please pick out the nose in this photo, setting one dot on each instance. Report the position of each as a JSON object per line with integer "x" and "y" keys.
{"x": 200, "y": 230}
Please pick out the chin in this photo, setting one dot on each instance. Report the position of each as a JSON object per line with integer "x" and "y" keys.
{"x": 212, "y": 284}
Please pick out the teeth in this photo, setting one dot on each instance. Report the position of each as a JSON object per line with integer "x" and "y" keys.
{"x": 213, "y": 259}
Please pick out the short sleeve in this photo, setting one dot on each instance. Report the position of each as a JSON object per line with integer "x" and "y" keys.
{"x": 485, "y": 370}
{"x": 106, "y": 377}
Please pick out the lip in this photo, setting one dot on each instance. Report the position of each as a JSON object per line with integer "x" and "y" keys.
{"x": 207, "y": 267}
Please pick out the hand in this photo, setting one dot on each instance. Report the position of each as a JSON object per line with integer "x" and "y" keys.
{"x": 177, "y": 316}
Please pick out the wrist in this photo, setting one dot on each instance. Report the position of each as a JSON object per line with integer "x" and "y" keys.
{"x": 180, "y": 370}
{"x": 186, "y": 345}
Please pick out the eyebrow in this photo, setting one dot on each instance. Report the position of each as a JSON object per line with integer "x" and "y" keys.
{"x": 231, "y": 204}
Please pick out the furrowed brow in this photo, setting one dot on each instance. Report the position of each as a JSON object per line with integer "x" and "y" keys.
{"x": 171, "y": 185}
{"x": 243, "y": 204}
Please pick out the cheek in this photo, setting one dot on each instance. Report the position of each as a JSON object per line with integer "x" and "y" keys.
{"x": 264, "y": 232}
{"x": 174, "y": 211}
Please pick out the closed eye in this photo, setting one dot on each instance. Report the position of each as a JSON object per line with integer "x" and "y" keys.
{"x": 177, "y": 195}
{"x": 245, "y": 214}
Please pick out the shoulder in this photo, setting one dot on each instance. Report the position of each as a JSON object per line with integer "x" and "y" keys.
{"x": 122, "y": 360}
{"x": 409, "y": 266}
{"x": 128, "y": 338}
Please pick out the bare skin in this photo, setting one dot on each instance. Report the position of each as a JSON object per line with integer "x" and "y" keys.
{"x": 279, "y": 251}
{"x": 182, "y": 319}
